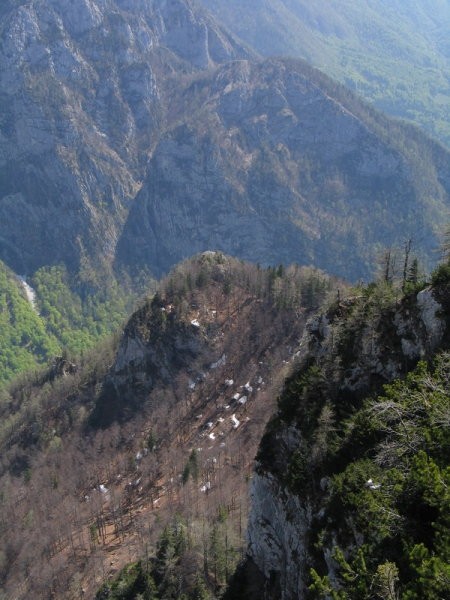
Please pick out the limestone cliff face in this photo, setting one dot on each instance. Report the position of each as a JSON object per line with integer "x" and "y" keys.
{"x": 278, "y": 530}
{"x": 159, "y": 351}
{"x": 353, "y": 361}
{"x": 275, "y": 164}
{"x": 139, "y": 133}
{"x": 83, "y": 95}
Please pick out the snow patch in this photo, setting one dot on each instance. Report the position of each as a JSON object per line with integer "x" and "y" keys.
{"x": 219, "y": 363}
{"x": 206, "y": 487}
{"x": 29, "y": 292}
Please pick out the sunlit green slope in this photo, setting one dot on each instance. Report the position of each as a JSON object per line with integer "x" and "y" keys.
{"x": 394, "y": 53}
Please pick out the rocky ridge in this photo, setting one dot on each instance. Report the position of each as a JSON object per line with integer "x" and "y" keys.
{"x": 348, "y": 352}
{"x": 137, "y": 134}
{"x": 105, "y": 442}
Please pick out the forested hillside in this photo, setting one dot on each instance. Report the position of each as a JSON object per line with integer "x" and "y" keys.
{"x": 395, "y": 54}
{"x": 24, "y": 340}
{"x": 349, "y": 498}
{"x": 350, "y": 494}
{"x": 50, "y": 315}
{"x": 150, "y": 433}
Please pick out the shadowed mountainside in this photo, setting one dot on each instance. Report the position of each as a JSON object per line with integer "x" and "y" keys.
{"x": 99, "y": 454}
{"x": 140, "y": 133}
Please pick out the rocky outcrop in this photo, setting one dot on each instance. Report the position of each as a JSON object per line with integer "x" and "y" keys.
{"x": 278, "y": 529}
{"x": 354, "y": 361}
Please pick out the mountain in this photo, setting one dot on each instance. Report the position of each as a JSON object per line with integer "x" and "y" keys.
{"x": 350, "y": 491}
{"x": 135, "y": 134}
{"x": 394, "y": 54}
{"x": 83, "y": 94}
{"x": 143, "y": 449}
{"x": 277, "y": 163}
{"x": 101, "y": 452}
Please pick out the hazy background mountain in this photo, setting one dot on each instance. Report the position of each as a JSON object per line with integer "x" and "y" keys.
{"x": 134, "y": 134}
{"x": 394, "y": 53}
{"x": 120, "y": 128}
{"x": 276, "y": 163}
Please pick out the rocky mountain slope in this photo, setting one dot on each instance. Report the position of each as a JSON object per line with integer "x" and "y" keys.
{"x": 395, "y": 55}
{"x": 83, "y": 94}
{"x": 137, "y": 133}
{"x": 97, "y": 455}
{"x": 277, "y": 163}
{"x": 350, "y": 493}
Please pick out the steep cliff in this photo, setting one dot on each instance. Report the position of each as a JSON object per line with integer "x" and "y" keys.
{"x": 139, "y": 133}
{"x": 83, "y": 93}
{"x": 349, "y": 495}
{"x": 277, "y": 163}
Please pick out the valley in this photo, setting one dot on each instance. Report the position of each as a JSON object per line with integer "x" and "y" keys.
{"x": 224, "y": 300}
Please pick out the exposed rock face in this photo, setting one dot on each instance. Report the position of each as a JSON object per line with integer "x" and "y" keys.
{"x": 283, "y": 520}
{"x": 83, "y": 94}
{"x": 276, "y": 166}
{"x": 377, "y": 352}
{"x": 140, "y": 133}
{"x": 159, "y": 353}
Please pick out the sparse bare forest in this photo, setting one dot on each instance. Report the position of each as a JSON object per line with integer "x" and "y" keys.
{"x": 91, "y": 481}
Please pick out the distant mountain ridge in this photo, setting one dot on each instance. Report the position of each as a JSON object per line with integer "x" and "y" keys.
{"x": 137, "y": 133}
{"x": 395, "y": 54}
{"x": 278, "y": 163}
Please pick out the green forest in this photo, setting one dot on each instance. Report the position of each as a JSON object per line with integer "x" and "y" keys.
{"x": 67, "y": 317}
{"x": 388, "y": 473}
